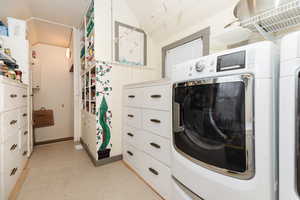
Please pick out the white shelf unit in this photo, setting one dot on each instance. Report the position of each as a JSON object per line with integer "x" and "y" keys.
{"x": 276, "y": 19}
{"x": 88, "y": 83}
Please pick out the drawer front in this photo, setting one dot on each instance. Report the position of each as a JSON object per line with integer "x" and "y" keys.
{"x": 11, "y": 150}
{"x": 132, "y": 117}
{"x": 133, "y": 97}
{"x": 24, "y": 154}
{"x": 11, "y": 176}
{"x": 23, "y": 96}
{"x": 23, "y": 137}
{"x": 157, "y": 147}
{"x": 11, "y": 97}
{"x": 158, "y": 122}
{"x": 23, "y": 117}
{"x": 9, "y": 124}
{"x": 158, "y": 97}
{"x": 131, "y": 157}
{"x": 132, "y": 136}
{"x": 157, "y": 175}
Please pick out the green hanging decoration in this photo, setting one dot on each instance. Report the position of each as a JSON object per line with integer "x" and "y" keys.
{"x": 103, "y": 152}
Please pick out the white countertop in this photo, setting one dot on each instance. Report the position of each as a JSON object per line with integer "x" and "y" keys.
{"x": 149, "y": 83}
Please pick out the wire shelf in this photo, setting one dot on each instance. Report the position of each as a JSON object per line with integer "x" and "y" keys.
{"x": 282, "y": 17}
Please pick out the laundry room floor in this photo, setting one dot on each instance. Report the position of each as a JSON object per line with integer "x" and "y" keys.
{"x": 59, "y": 172}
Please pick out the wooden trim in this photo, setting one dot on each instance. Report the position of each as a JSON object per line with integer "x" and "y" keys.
{"x": 116, "y": 36}
{"x": 140, "y": 177}
{"x": 53, "y": 141}
{"x": 101, "y": 162}
{"x": 18, "y": 186}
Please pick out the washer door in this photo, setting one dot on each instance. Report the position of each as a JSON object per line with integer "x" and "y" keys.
{"x": 213, "y": 124}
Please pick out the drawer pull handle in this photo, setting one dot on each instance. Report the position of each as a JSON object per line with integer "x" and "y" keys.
{"x": 13, "y": 96}
{"x": 155, "y": 121}
{"x": 131, "y": 96}
{"x": 130, "y": 153}
{"x": 13, "y": 147}
{"x": 155, "y": 145}
{"x": 26, "y": 132}
{"x": 13, "y": 122}
{"x": 131, "y": 116}
{"x": 13, "y": 172}
{"x": 130, "y": 134}
{"x": 153, "y": 171}
{"x": 24, "y": 115}
{"x": 24, "y": 96}
{"x": 155, "y": 96}
{"x": 24, "y": 153}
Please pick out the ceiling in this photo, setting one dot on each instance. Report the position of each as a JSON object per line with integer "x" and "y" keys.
{"x": 64, "y": 12}
{"x": 162, "y": 18}
{"x": 49, "y": 33}
{"x": 159, "y": 18}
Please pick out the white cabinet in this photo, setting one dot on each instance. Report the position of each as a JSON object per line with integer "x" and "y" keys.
{"x": 147, "y": 132}
{"x": 13, "y": 133}
{"x": 36, "y": 76}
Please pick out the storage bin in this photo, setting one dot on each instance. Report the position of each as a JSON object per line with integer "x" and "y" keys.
{"x": 16, "y": 27}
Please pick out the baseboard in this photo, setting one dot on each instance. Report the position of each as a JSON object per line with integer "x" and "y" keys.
{"x": 141, "y": 178}
{"x": 101, "y": 162}
{"x": 53, "y": 141}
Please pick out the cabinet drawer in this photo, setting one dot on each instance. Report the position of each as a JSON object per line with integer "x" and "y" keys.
{"x": 158, "y": 122}
{"x": 24, "y": 154}
{"x": 10, "y": 177}
{"x": 157, "y": 147}
{"x": 23, "y": 117}
{"x": 11, "y": 97}
{"x": 157, "y": 175}
{"x": 132, "y": 136}
{"x": 158, "y": 97}
{"x": 10, "y": 149}
{"x": 132, "y": 117}
{"x": 23, "y": 96}
{"x": 131, "y": 157}
{"x": 23, "y": 136}
{"x": 133, "y": 97}
{"x": 9, "y": 124}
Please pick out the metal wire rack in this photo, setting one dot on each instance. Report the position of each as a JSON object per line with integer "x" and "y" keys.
{"x": 282, "y": 17}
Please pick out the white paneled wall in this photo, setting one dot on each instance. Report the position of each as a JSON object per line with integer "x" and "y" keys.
{"x": 107, "y": 13}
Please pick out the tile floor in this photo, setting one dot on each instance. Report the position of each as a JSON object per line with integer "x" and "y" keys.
{"x": 59, "y": 172}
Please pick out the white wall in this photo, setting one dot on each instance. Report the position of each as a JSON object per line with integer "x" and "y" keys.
{"x": 108, "y": 12}
{"x": 216, "y": 24}
{"x": 56, "y": 92}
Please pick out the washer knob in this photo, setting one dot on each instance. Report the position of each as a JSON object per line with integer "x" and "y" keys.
{"x": 200, "y": 65}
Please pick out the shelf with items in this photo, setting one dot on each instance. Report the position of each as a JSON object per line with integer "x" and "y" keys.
{"x": 87, "y": 79}
{"x": 93, "y": 76}
{"x": 90, "y": 19}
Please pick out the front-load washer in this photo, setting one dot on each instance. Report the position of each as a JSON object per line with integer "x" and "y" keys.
{"x": 289, "y": 109}
{"x": 224, "y": 125}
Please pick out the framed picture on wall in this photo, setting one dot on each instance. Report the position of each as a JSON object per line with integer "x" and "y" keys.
{"x": 130, "y": 45}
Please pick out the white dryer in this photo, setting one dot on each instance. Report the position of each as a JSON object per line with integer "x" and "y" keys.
{"x": 224, "y": 130}
{"x": 289, "y": 149}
